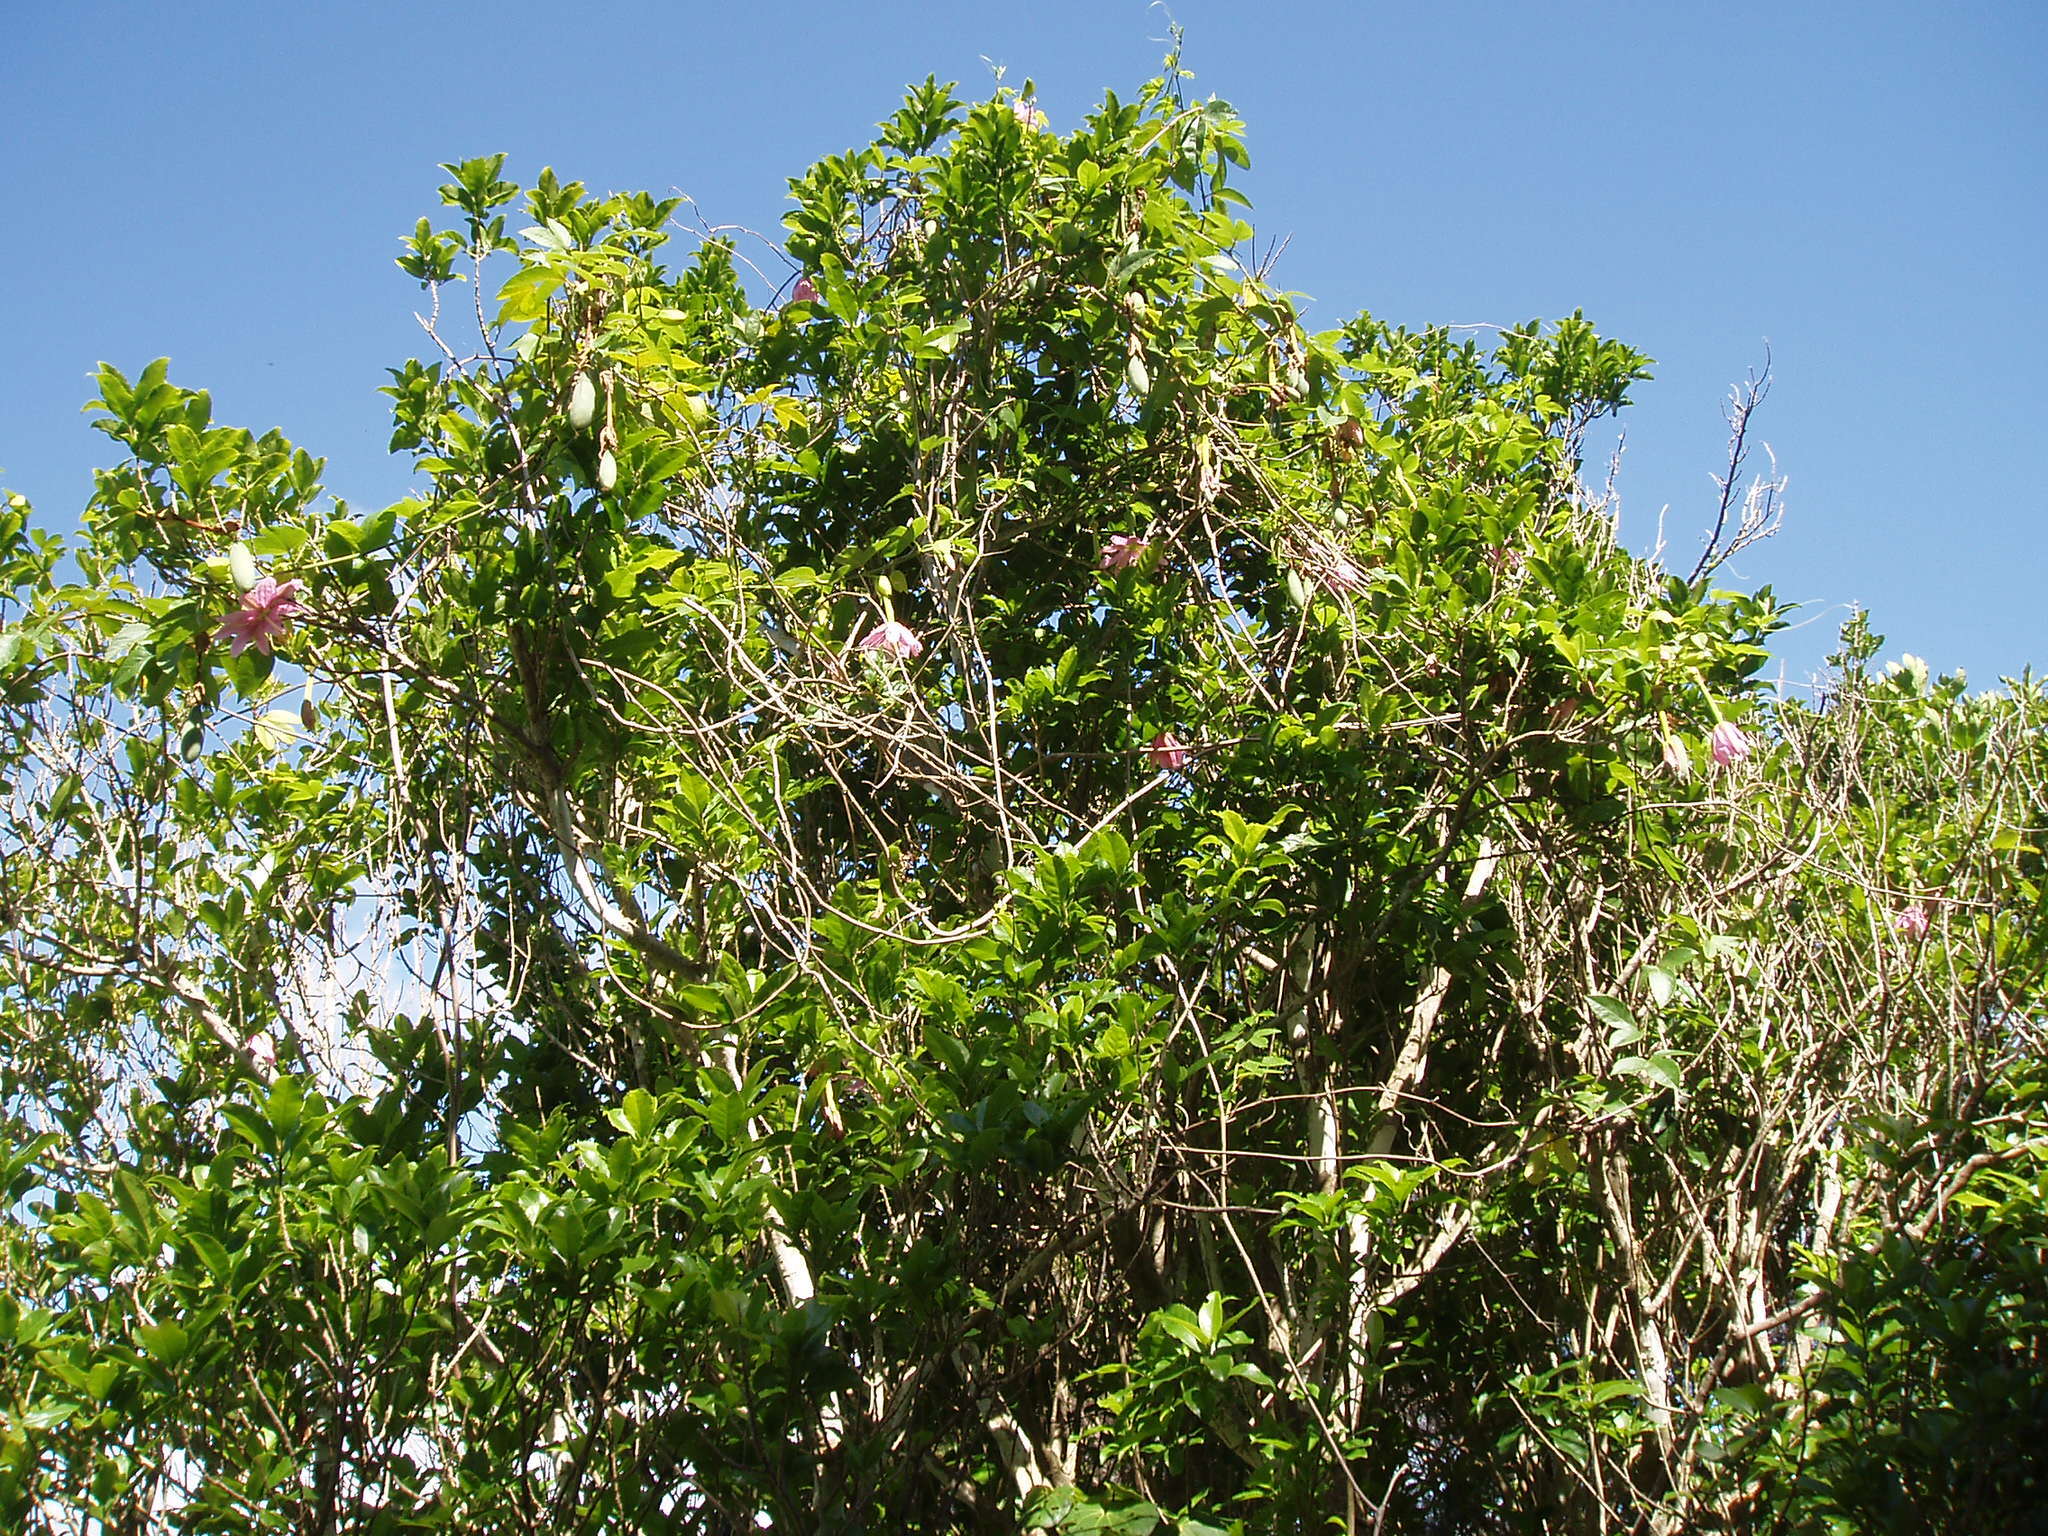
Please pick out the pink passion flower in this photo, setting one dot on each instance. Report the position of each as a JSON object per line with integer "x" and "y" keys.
{"x": 1911, "y": 923}
{"x": 895, "y": 639}
{"x": 1123, "y": 551}
{"x": 1727, "y": 744}
{"x": 262, "y": 1050}
{"x": 1343, "y": 577}
{"x": 265, "y": 614}
{"x": 1029, "y": 115}
{"x": 806, "y": 292}
{"x": 1677, "y": 761}
{"x": 1168, "y": 752}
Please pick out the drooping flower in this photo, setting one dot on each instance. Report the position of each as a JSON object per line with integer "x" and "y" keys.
{"x": 897, "y": 640}
{"x": 262, "y": 1050}
{"x": 1123, "y": 551}
{"x": 1344, "y": 577}
{"x": 1727, "y": 744}
{"x": 1677, "y": 761}
{"x": 1911, "y": 922}
{"x": 1028, "y": 114}
{"x": 265, "y": 614}
{"x": 805, "y": 292}
{"x": 1167, "y": 751}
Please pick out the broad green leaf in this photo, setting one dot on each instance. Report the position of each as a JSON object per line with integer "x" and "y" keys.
{"x": 167, "y": 1342}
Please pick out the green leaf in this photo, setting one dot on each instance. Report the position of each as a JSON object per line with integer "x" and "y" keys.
{"x": 1179, "y": 1323}
{"x": 523, "y": 297}
{"x": 377, "y": 532}
{"x": 1748, "y": 1398}
{"x": 280, "y": 540}
{"x": 1607, "y": 1391}
{"x": 166, "y": 1342}
{"x": 729, "y": 1115}
{"x": 705, "y": 1000}
{"x": 1659, "y": 1068}
{"x": 285, "y": 1107}
{"x": 1660, "y": 982}
{"x": 132, "y": 1200}
{"x": 48, "y": 1416}
{"x": 277, "y": 729}
{"x": 1615, "y": 1014}
{"x": 219, "y": 1263}
{"x": 251, "y": 1126}
{"x": 635, "y": 1114}
{"x": 129, "y": 638}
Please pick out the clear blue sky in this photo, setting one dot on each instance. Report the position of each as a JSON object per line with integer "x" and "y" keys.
{"x": 1862, "y": 186}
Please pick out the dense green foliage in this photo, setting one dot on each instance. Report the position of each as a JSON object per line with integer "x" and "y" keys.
{"x": 1008, "y": 892}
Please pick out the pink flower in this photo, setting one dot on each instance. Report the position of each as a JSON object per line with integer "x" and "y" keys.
{"x": 896, "y": 639}
{"x": 1343, "y": 577}
{"x": 265, "y": 614}
{"x": 263, "y": 1051}
{"x": 806, "y": 292}
{"x": 1123, "y": 551}
{"x": 1911, "y": 922}
{"x": 1168, "y": 752}
{"x": 1677, "y": 761}
{"x": 1028, "y": 114}
{"x": 1727, "y": 744}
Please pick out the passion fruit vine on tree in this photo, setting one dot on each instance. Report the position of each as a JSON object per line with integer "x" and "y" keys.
{"x": 1002, "y": 892}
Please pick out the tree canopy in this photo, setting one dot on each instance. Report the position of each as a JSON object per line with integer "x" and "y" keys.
{"x": 972, "y": 883}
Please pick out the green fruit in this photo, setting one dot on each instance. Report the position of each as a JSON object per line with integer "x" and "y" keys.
{"x": 192, "y": 743}
{"x": 607, "y": 470}
{"x": 309, "y": 717}
{"x": 241, "y": 565}
{"x": 582, "y": 402}
{"x": 884, "y": 587}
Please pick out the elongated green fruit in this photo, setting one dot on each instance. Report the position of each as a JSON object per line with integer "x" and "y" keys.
{"x": 582, "y": 402}
{"x": 241, "y": 565}
{"x": 607, "y": 470}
